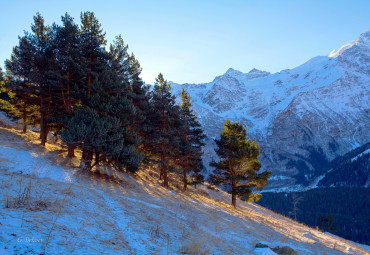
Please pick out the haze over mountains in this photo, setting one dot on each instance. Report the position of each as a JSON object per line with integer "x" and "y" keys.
{"x": 303, "y": 118}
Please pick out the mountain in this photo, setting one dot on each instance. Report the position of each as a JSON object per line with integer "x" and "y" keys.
{"x": 303, "y": 118}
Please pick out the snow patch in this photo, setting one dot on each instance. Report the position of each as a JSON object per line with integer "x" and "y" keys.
{"x": 30, "y": 163}
{"x": 360, "y": 155}
{"x": 337, "y": 53}
{"x": 264, "y": 251}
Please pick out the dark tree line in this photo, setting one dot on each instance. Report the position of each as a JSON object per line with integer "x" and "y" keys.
{"x": 344, "y": 212}
{"x": 349, "y": 170}
{"x": 62, "y": 79}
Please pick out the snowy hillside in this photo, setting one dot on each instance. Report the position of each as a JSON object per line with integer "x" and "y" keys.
{"x": 48, "y": 206}
{"x": 303, "y": 117}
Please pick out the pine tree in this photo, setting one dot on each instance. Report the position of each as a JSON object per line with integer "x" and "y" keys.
{"x": 120, "y": 58}
{"x": 29, "y": 68}
{"x": 25, "y": 94}
{"x": 6, "y": 97}
{"x": 191, "y": 142}
{"x": 129, "y": 70}
{"x": 239, "y": 164}
{"x": 140, "y": 96}
{"x": 5, "y": 94}
{"x": 68, "y": 72}
{"x": 101, "y": 125}
{"x": 94, "y": 59}
{"x": 18, "y": 104}
{"x": 42, "y": 63}
{"x": 92, "y": 47}
{"x": 162, "y": 137}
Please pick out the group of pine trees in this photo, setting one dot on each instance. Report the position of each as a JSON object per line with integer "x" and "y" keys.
{"x": 62, "y": 79}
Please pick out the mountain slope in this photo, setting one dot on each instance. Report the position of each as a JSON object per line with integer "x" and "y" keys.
{"x": 50, "y": 207}
{"x": 301, "y": 117}
{"x": 349, "y": 170}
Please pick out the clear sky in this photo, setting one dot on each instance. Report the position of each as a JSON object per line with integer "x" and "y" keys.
{"x": 195, "y": 40}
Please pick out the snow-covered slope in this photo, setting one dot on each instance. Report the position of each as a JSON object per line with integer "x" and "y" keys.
{"x": 50, "y": 207}
{"x": 303, "y": 117}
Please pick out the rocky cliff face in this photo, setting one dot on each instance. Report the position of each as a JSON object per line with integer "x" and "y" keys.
{"x": 302, "y": 118}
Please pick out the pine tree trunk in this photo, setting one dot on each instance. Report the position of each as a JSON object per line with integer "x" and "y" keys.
{"x": 97, "y": 158}
{"x": 89, "y": 160}
{"x": 24, "y": 122}
{"x": 186, "y": 165}
{"x": 185, "y": 180}
{"x": 71, "y": 151}
{"x": 45, "y": 134}
{"x": 43, "y": 129}
{"x": 161, "y": 174}
{"x": 24, "y": 127}
{"x": 43, "y": 124}
{"x": 68, "y": 103}
{"x": 83, "y": 158}
{"x": 233, "y": 195}
{"x": 86, "y": 159}
{"x": 165, "y": 179}
{"x": 42, "y": 120}
{"x": 164, "y": 170}
{"x": 88, "y": 82}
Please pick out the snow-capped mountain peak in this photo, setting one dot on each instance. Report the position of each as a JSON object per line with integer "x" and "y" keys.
{"x": 255, "y": 73}
{"x": 336, "y": 53}
{"x": 232, "y": 72}
{"x": 362, "y": 41}
{"x": 364, "y": 38}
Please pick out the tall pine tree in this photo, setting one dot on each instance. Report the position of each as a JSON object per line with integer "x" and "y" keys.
{"x": 164, "y": 122}
{"x": 92, "y": 47}
{"x": 129, "y": 70}
{"x": 68, "y": 72}
{"x": 95, "y": 59}
{"x": 191, "y": 142}
{"x": 42, "y": 61}
{"x": 239, "y": 164}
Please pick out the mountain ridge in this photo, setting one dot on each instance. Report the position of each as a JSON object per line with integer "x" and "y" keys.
{"x": 319, "y": 106}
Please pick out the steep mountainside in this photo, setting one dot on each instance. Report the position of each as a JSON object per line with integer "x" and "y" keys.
{"x": 303, "y": 118}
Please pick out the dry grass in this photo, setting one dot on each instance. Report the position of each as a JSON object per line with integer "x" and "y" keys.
{"x": 199, "y": 243}
{"x": 57, "y": 216}
{"x": 26, "y": 195}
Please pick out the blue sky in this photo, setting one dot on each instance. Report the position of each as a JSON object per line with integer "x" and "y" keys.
{"x": 194, "y": 41}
